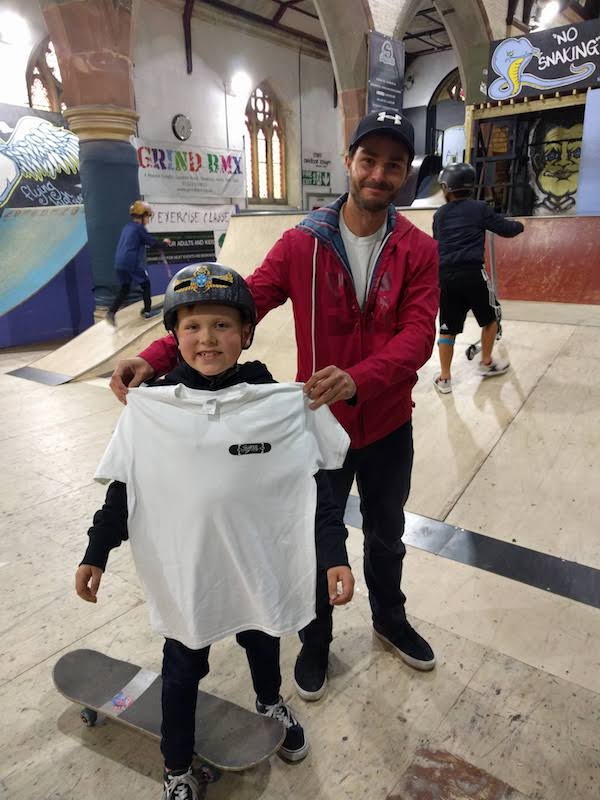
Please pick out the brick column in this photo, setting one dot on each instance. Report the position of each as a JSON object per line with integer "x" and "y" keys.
{"x": 93, "y": 42}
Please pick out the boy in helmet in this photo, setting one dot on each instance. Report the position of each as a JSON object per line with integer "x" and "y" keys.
{"x": 130, "y": 259}
{"x": 216, "y": 482}
{"x": 460, "y": 228}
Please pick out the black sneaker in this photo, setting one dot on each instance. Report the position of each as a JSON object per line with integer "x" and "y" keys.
{"x": 295, "y": 746}
{"x": 180, "y": 785}
{"x": 310, "y": 673}
{"x": 110, "y": 318}
{"x": 411, "y": 647}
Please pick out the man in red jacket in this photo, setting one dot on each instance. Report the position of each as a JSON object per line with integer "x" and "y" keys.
{"x": 363, "y": 282}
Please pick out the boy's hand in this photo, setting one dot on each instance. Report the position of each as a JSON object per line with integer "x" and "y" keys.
{"x": 168, "y": 241}
{"x": 87, "y": 582}
{"x": 329, "y": 385}
{"x": 343, "y": 576}
{"x": 129, "y": 372}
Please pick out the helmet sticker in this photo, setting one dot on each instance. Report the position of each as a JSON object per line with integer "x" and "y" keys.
{"x": 202, "y": 280}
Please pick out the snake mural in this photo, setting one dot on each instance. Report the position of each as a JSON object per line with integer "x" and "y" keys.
{"x": 510, "y": 60}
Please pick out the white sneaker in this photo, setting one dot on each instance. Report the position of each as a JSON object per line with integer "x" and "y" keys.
{"x": 495, "y": 368}
{"x": 443, "y": 386}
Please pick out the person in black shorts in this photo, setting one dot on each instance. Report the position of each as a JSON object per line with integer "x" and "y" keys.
{"x": 459, "y": 228}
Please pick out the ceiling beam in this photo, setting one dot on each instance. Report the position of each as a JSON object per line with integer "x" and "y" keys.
{"x": 284, "y": 5}
{"x": 187, "y": 33}
{"x": 249, "y": 15}
{"x": 424, "y": 33}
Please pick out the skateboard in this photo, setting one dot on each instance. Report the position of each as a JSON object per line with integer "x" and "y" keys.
{"x": 228, "y": 736}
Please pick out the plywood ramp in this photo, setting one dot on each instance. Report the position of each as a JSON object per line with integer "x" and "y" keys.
{"x": 97, "y": 349}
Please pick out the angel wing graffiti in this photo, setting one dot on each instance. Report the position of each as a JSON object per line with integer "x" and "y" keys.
{"x": 36, "y": 149}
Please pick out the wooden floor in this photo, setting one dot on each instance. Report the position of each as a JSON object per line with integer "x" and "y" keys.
{"x": 511, "y": 711}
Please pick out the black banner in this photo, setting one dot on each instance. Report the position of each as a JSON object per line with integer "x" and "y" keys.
{"x": 186, "y": 248}
{"x": 558, "y": 59}
{"x": 39, "y": 160}
{"x": 386, "y": 73}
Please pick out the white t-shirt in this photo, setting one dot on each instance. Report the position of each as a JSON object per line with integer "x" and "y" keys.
{"x": 221, "y": 500}
{"x": 362, "y": 255}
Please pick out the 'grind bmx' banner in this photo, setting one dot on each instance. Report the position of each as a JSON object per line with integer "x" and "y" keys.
{"x": 189, "y": 174}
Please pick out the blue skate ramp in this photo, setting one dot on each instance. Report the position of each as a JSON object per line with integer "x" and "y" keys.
{"x": 35, "y": 245}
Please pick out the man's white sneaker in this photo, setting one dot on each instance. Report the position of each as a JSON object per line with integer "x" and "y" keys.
{"x": 494, "y": 368}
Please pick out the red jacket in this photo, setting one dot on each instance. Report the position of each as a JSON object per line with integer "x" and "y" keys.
{"x": 381, "y": 346}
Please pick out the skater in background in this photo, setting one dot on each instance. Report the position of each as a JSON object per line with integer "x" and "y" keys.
{"x": 130, "y": 259}
{"x": 459, "y": 228}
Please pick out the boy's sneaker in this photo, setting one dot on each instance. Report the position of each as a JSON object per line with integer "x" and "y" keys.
{"x": 110, "y": 318}
{"x": 310, "y": 673}
{"x": 295, "y": 746}
{"x": 495, "y": 368}
{"x": 180, "y": 785}
{"x": 443, "y": 386}
{"x": 412, "y": 648}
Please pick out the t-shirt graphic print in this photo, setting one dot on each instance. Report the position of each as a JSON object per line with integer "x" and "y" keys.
{"x": 221, "y": 504}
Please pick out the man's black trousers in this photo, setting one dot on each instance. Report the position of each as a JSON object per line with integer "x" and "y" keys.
{"x": 382, "y": 471}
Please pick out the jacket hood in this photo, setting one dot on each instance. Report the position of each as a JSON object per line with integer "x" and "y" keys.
{"x": 324, "y": 225}
{"x": 249, "y": 372}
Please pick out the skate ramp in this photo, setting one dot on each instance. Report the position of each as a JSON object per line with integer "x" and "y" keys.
{"x": 97, "y": 350}
{"x": 249, "y": 239}
{"x": 36, "y": 244}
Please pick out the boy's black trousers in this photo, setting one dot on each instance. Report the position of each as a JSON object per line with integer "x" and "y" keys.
{"x": 382, "y": 471}
{"x": 181, "y": 672}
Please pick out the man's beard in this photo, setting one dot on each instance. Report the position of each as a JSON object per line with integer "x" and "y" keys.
{"x": 374, "y": 205}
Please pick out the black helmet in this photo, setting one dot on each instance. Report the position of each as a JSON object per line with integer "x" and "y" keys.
{"x": 208, "y": 283}
{"x": 458, "y": 177}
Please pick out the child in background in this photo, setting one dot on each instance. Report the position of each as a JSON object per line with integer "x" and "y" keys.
{"x": 459, "y": 228}
{"x": 130, "y": 259}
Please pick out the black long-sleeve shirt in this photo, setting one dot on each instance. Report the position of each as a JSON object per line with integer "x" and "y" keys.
{"x": 109, "y": 527}
{"x": 460, "y": 226}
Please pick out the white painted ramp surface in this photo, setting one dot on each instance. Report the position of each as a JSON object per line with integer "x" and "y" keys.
{"x": 98, "y": 348}
{"x": 249, "y": 239}
{"x": 36, "y": 244}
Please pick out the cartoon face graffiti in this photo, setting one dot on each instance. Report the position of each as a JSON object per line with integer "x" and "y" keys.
{"x": 559, "y": 161}
{"x": 555, "y": 155}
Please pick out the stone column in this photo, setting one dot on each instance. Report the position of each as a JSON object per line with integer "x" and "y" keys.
{"x": 93, "y": 41}
{"x": 346, "y": 24}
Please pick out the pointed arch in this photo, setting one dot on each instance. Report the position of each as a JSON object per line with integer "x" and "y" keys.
{"x": 265, "y": 147}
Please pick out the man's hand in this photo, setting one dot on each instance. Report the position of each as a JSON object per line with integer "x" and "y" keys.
{"x": 129, "y": 373}
{"x": 329, "y": 385}
{"x": 87, "y": 582}
{"x": 168, "y": 241}
{"x": 343, "y": 576}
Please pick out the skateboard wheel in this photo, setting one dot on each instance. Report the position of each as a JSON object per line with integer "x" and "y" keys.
{"x": 88, "y": 717}
{"x": 207, "y": 773}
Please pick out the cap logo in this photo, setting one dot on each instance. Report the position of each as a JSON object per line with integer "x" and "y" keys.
{"x": 202, "y": 280}
{"x": 395, "y": 118}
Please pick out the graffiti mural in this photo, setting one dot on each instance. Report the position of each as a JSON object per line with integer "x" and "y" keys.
{"x": 555, "y": 153}
{"x": 565, "y": 58}
{"x": 39, "y": 160}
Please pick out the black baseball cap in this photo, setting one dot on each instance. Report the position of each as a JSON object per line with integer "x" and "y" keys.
{"x": 386, "y": 122}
